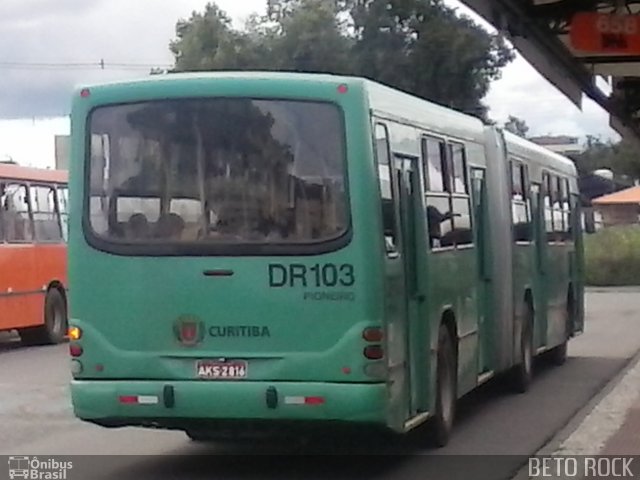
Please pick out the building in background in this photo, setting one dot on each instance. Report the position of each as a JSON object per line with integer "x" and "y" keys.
{"x": 62, "y": 152}
{"x": 619, "y": 208}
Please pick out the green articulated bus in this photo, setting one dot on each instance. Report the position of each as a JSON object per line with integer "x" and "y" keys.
{"x": 265, "y": 252}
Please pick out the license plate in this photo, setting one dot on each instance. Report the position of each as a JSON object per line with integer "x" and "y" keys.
{"x": 214, "y": 370}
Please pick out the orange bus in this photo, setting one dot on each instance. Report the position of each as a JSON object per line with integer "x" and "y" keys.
{"x": 33, "y": 253}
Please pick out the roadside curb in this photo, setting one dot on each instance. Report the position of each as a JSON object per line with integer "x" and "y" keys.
{"x": 617, "y": 289}
{"x": 568, "y": 441}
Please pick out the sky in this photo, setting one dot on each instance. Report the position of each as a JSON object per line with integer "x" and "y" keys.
{"x": 62, "y": 43}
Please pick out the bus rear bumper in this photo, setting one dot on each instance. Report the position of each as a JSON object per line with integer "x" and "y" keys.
{"x": 179, "y": 404}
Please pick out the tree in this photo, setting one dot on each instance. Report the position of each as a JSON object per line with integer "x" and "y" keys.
{"x": 517, "y": 126}
{"x": 207, "y": 41}
{"x": 419, "y": 46}
{"x": 425, "y": 48}
{"x": 310, "y": 38}
{"x": 620, "y": 157}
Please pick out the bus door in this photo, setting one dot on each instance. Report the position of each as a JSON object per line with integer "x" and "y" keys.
{"x": 578, "y": 263}
{"x": 412, "y": 249}
{"x": 539, "y": 223}
{"x": 483, "y": 242}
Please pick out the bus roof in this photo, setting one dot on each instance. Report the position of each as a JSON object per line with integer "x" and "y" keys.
{"x": 383, "y": 99}
{"x": 539, "y": 155}
{"x": 395, "y": 104}
{"x": 230, "y": 75}
{"x": 16, "y": 172}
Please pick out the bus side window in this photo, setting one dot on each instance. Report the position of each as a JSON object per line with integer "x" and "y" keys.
{"x": 437, "y": 180}
{"x": 434, "y": 160}
{"x": 566, "y": 210}
{"x": 548, "y": 211}
{"x": 16, "y": 213}
{"x": 461, "y": 202}
{"x": 563, "y": 206}
{"x": 459, "y": 164}
{"x": 63, "y": 200}
{"x": 556, "y": 201}
{"x": 45, "y": 214}
{"x": 520, "y": 209}
{"x": 384, "y": 177}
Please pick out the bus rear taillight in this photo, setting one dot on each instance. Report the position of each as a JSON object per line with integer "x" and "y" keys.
{"x": 75, "y": 350}
{"x": 372, "y": 334}
{"x": 374, "y": 352}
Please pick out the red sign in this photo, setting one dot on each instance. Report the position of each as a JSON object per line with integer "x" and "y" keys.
{"x": 606, "y": 33}
{"x": 189, "y": 331}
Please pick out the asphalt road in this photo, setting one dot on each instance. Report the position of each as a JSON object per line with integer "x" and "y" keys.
{"x": 36, "y": 419}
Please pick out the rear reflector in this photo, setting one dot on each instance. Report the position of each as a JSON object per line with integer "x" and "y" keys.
{"x": 303, "y": 400}
{"x": 138, "y": 399}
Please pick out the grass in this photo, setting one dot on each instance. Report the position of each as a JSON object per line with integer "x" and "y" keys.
{"x": 612, "y": 256}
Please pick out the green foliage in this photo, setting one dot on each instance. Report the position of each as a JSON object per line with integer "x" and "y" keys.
{"x": 622, "y": 157}
{"x": 517, "y": 126}
{"x": 612, "y": 256}
{"x": 419, "y": 46}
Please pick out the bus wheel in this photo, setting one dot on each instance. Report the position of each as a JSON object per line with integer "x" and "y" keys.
{"x": 523, "y": 372}
{"x": 441, "y": 423}
{"x": 55, "y": 322}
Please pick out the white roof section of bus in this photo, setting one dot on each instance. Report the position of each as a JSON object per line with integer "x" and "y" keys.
{"x": 400, "y": 106}
{"x": 543, "y": 157}
{"x": 231, "y": 75}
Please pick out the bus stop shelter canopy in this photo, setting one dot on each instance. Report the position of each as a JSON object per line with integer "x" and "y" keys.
{"x": 571, "y": 42}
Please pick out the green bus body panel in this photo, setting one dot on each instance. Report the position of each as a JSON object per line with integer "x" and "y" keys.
{"x": 128, "y": 307}
{"x": 307, "y": 339}
{"x": 453, "y": 286}
{"x": 98, "y": 400}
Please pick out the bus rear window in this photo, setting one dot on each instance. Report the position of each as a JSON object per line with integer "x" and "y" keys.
{"x": 217, "y": 172}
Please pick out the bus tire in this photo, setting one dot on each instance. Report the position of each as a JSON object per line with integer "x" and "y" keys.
{"x": 441, "y": 424}
{"x": 523, "y": 371}
{"x": 54, "y": 328}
